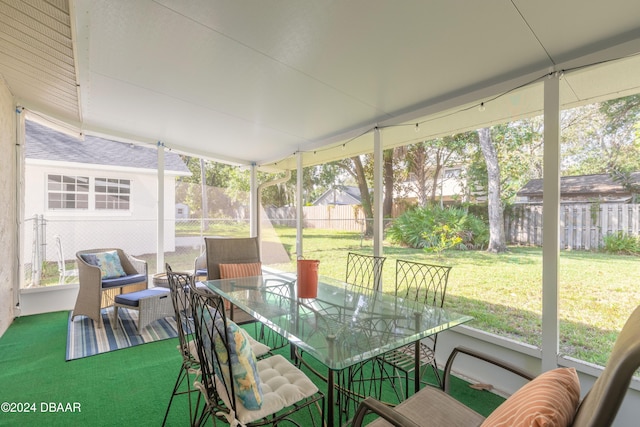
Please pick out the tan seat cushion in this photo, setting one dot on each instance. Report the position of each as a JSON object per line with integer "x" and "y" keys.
{"x": 430, "y": 406}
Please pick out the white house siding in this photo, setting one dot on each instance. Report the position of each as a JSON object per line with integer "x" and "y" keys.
{"x": 134, "y": 231}
{"x": 8, "y": 229}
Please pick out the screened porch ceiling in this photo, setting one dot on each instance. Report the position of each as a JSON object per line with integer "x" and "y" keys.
{"x": 253, "y": 82}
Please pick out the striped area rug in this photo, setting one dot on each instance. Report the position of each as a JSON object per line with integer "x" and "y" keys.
{"x": 83, "y": 339}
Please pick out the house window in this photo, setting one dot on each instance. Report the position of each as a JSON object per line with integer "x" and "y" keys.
{"x": 112, "y": 193}
{"x": 67, "y": 192}
{"x": 452, "y": 173}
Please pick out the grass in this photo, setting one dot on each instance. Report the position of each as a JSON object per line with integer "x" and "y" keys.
{"x": 502, "y": 292}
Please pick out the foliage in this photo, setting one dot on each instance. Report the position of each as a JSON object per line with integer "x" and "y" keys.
{"x": 621, "y": 243}
{"x": 519, "y": 148}
{"x": 439, "y": 228}
{"x": 601, "y": 137}
{"x": 443, "y": 238}
{"x": 421, "y": 164}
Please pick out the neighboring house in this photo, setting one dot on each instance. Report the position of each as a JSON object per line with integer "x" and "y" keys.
{"x": 182, "y": 211}
{"x": 95, "y": 193}
{"x": 581, "y": 188}
{"x": 339, "y": 195}
{"x": 450, "y": 188}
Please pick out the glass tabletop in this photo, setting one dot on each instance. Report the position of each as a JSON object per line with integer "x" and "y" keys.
{"x": 343, "y": 325}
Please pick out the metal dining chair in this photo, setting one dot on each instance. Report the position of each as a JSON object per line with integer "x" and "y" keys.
{"x": 190, "y": 366}
{"x": 425, "y": 283}
{"x": 364, "y": 270}
{"x": 237, "y": 388}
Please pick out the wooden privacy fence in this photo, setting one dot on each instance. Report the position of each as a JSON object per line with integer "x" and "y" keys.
{"x": 582, "y": 225}
{"x": 330, "y": 217}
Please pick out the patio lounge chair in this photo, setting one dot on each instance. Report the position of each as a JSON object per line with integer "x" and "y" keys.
{"x": 553, "y": 395}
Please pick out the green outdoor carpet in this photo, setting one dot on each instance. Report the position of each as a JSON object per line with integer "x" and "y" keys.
{"x": 130, "y": 387}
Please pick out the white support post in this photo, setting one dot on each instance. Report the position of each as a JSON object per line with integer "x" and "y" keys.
{"x": 18, "y": 277}
{"x": 550, "y": 221}
{"x": 160, "y": 214}
{"x": 254, "y": 203}
{"x": 378, "y": 225}
{"x": 299, "y": 205}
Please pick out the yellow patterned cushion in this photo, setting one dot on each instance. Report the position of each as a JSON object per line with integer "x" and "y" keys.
{"x": 241, "y": 358}
{"x": 231, "y": 271}
{"x": 551, "y": 399}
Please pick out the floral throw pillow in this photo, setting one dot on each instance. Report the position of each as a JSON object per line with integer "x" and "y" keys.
{"x": 109, "y": 263}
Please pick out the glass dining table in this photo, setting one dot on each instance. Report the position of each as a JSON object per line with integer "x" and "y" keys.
{"x": 343, "y": 326}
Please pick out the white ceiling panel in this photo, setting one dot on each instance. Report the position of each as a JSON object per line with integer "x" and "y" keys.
{"x": 251, "y": 81}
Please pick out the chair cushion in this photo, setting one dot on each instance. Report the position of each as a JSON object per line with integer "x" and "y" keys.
{"x": 243, "y": 361}
{"x": 282, "y": 384}
{"x": 431, "y": 406}
{"x": 109, "y": 263}
{"x": 132, "y": 299}
{"x": 123, "y": 281}
{"x": 250, "y": 269}
{"x": 551, "y": 399}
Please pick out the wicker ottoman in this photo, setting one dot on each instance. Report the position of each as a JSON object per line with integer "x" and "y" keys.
{"x": 152, "y": 304}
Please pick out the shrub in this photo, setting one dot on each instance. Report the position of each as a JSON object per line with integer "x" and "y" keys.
{"x": 621, "y": 243}
{"x": 437, "y": 228}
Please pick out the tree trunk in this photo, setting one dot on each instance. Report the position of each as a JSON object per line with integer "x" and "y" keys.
{"x": 387, "y": 206}
{"x": 497, "y": 242}
{"x": 364, "y": 195}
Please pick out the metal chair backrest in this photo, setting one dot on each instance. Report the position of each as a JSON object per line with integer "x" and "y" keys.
{"x": 179, "y": 286}
{"x": 364, "y": 270}
{"x": 233, "y": 250}
{"x": 600, "y": 406}
{"x": 209, "y": 319}
{"x": 419, "y": 281}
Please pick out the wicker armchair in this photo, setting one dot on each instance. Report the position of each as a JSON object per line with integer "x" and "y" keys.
{"x": 96, "y": 293}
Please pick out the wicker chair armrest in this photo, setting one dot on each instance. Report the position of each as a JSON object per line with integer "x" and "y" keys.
{"x": 87, "y": 273}
{"x": 392, "y": 416}
{"x": 139, "y": 264}
{"x": 484, "y": 357}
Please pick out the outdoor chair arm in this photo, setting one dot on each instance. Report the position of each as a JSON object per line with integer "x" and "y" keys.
{"x": 139, "y": 264}
{"x": 484, "y": 357}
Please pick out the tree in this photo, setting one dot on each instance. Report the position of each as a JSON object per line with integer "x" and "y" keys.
{"x": 497, "y": 241}
{"x": 601, "y": 138}
{"x": 425, "y": 161}
{"x": 387, "y": 206}
{"x": 355, "y": 167}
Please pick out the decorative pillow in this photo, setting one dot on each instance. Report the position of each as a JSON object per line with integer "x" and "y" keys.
{"x": 231, "y": 271}
{"x": 109, "y": 263}
{"x": 551, "y": 399}
{"x": 246, "y": 380}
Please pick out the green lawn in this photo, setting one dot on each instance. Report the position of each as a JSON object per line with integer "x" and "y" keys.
{"x": 502, "y": 292}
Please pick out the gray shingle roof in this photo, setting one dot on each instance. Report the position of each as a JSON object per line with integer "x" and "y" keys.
{"x": 581, "y": 184}
{"x": 44, "y": 143}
